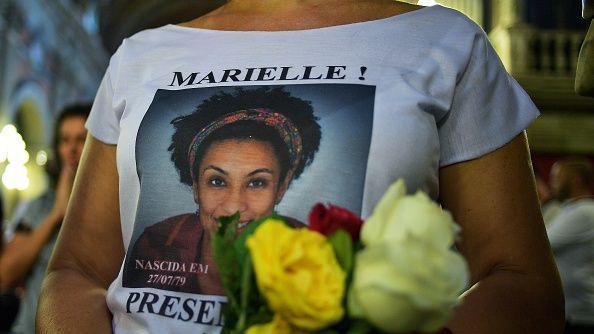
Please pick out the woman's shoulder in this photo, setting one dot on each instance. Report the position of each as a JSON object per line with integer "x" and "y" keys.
{"x": 418, "y": 29}
{"x": 150, "y": 42}
{"x": 444, "y": 20}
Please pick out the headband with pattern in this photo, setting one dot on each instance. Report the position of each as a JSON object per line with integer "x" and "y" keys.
{"x": 284, "y": 126}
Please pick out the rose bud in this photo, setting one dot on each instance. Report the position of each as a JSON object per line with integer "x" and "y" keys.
{"x": 329, "y": 220}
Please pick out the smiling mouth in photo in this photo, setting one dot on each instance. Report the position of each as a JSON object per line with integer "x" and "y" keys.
{"x": 243, "y": 224}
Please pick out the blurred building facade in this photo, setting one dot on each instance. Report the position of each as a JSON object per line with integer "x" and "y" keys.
{"x": 538, "y": 42}
{"x": 50, "y": 56}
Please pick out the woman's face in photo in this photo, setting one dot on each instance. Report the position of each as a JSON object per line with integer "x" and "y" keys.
{"x": 238, "y": 176}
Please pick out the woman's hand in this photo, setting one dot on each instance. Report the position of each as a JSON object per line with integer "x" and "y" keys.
{"x": 63, "y": 190}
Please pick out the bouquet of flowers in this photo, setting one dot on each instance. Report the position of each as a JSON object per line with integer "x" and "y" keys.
{"x": 396, "y": 273}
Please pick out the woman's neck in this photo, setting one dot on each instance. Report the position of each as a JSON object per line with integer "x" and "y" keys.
{"x": 275, "y": 6}
{"x": 296, "y": 14}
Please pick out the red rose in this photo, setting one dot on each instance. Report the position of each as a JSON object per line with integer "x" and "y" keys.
{"x": 328, "y": 220}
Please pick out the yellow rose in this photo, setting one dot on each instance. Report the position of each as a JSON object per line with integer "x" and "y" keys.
{"x": 297, "y": 271}
{"x": 278, "y": 325}
{"x": 397, "y": 216}
{"x": 405, "y": 286}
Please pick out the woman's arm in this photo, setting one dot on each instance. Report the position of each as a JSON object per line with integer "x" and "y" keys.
{"x": 89, "y": 250}
{"x": 22, "y": 251}
{"x": 516, "y": 287}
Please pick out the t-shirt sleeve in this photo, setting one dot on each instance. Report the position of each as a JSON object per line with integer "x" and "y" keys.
{"x": 489, "y": 108}
{"x": 104, "y": 120}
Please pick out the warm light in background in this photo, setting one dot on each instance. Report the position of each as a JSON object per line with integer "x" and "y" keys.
{"x": 8, "y": 137}
{"x": 427, "y": 2}
{"x": 41, "y": 158}
{"x": 18, "y": 156}
{"x": 15, "y": 177}
{"x": 12, "y": 149}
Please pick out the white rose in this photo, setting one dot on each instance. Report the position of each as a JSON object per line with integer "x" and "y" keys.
{"x": 396, "y": 216}
{"x": 406, "y": 286}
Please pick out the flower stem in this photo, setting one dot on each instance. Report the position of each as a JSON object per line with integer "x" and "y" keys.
{"x": 245, "y": 293}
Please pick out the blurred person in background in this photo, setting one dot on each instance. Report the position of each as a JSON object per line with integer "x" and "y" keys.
{"x": 33, "y": 231}
{"x": 9, "y": 302}
{"x": 571, "y": 234}
{"x": 549, "y": 205}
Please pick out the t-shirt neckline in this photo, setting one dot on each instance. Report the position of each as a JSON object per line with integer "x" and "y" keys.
{"x": 397, "y": 17}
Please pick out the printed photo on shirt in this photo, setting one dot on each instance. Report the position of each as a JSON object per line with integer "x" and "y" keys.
{"x": 203, "y": 153}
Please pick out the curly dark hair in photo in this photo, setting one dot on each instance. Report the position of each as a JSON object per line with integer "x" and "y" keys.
{"x": 299, "y": 113}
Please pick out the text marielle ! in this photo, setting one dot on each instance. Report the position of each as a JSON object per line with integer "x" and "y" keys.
{"x": 283, "y": 73}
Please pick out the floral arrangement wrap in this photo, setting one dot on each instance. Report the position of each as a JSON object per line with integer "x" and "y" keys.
{"x": 395, "y": 273}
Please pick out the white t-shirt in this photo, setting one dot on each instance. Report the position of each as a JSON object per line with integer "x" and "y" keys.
{"x": 392, "y": 98}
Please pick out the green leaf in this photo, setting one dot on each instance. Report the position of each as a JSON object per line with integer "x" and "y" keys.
{"x": 227, "y": 220}
{"x": 245, "y": 290}
{"x": 226, "y": 261}
{"x": 262, "y": 315}
{"x": 343, "y": 249}
{"x": 228, "y": 227}
{"x": 360, "y": 327}
{"x": 225, "y": 257}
